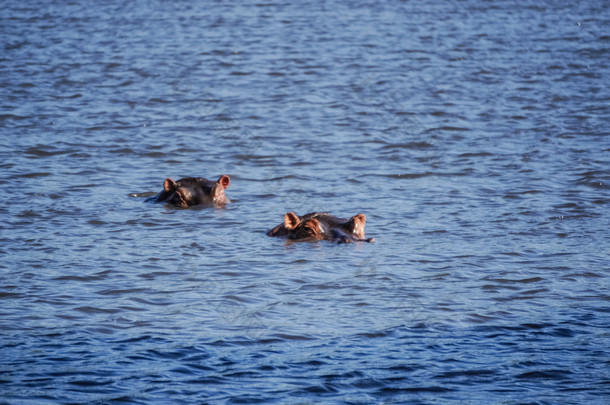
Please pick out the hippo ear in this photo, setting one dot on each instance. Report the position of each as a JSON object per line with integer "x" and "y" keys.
{"x": 169, "y": 185}
{"x": 224, "y": 181}
{"x": 356, "y": 224}
{"x": 291, "y": 221}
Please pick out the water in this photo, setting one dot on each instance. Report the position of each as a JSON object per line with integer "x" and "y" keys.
{"x": 473, "y": 135}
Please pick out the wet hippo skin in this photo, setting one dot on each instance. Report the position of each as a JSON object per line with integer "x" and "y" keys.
{"x": 321, "y": 226}
{"x": 191, "y": 191}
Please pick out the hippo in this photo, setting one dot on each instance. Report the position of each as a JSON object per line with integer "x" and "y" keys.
{"x": 191, "y": 191}
{"x": 321, "y": 226}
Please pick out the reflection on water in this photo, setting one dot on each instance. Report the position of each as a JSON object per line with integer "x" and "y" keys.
{"x": 472, "y": 136}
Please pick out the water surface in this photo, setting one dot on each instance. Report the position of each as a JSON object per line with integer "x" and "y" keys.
{"x": 473, "y": 136}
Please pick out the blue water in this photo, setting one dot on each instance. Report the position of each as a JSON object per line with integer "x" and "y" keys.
{"x": 473, "y": 135}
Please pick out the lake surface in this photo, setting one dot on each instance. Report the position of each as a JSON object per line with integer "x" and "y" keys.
{"x": 473, "y": 135}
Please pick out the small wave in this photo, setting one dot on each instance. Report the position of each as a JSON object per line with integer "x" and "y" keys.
{"x": 378, "y": 334}
{"x": 287, "y": 337}
{"x": 34, "y": 175}
{"x": 158, "y": 100}
{"x": 518, "y": 281}
{"x": 79, "y": 278}
{"x": 409, "y": 145}
{"x": 544, "y": 375}
{"x": 45, "y": 151}
{"x": 466, "y": 373}
{"x": 91, "y": 383}
{"x": 431, "y": 389}
{"x": 447, "y": 128}
{"x": 4, "y": 295}
{"x": 121, "y": 291}
{"x": 6, "y": 117}
{"x": 93, "y": 310}
{"x": 475, "y": 154}
{"x": 407, "y": 176}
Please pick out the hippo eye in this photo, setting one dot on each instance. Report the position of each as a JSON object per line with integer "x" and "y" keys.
{"x": 181, "y": 198}
{"x": 313, "y": 229}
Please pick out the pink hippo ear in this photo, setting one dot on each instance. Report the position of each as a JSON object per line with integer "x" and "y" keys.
{"x": 291, "y": 221}
{"x": 169, "y": 185}
{"x": 356, "y": 225}
{"x": 224, "y": 181}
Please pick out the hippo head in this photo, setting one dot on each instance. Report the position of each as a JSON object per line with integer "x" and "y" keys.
{"x": 192, "y": 191}
{"x": 321, "y": 226}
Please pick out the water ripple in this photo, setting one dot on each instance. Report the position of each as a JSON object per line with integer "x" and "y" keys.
{"x": 473, "y": 136}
